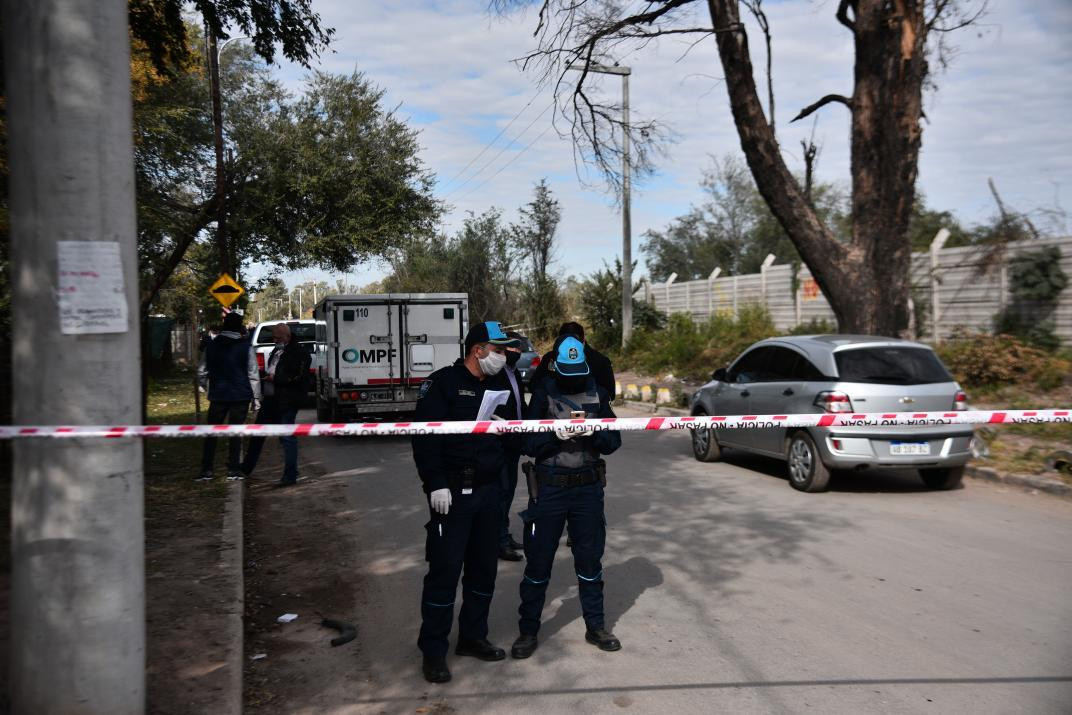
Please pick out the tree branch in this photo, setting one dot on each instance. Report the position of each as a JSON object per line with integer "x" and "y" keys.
{"x": 828, "y": 99}
{"x": 843, "y": 13}
{"x": 163, "y": 273}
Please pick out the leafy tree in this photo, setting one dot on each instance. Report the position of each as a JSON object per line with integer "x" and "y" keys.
{"x": 535, "y": 236}
{"x": 328, "y": 179}
{"x": 600, "y": 303}
{"x": 732, "y": 229}
{"x": 160, "y": 26}
{"x": 467, "y": 262}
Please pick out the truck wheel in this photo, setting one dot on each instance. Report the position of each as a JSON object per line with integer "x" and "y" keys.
{"x": 705, "y": 445}
{"x": 807, "y": 473}
{"x": 942, "y": 477}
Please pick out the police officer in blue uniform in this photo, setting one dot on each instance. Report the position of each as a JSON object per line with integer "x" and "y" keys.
{"x": 461, "y": 475}
{"x": 570, "y": 477}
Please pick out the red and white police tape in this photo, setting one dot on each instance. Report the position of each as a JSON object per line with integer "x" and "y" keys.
{"x": 624, "y": 424}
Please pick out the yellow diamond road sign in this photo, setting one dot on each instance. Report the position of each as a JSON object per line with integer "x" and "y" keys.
{"x": 225, "y": 290}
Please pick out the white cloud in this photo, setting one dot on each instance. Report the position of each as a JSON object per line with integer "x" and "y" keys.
{"x": 1001, "y": 109}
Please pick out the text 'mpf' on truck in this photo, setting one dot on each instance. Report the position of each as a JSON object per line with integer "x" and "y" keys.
{"x": 376, "y": 350}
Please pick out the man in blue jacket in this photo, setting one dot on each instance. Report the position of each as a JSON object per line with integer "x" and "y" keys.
{"x": 229, "y": 370}
{"x": 570, "y": 477}
{"x": 461, "y": 476}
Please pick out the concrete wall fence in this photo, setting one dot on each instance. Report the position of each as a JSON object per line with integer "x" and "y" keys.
{"x": 953, "y": 287}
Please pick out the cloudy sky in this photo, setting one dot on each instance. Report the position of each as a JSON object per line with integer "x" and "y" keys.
{"x": 1003, "y": 108}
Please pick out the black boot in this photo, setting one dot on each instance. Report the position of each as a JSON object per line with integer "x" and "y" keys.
{"x": 481, "y": 649}
{"x": 602, "y": 638}
{"x": 524, "y": 646}
{"x": 435, "y": 670}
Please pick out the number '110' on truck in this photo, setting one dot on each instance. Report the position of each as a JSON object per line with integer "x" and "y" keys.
{"x": 376, "y": 350}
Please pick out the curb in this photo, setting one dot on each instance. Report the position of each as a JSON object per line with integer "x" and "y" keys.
{"x": 656, "y": 409}
{"x": 235, "y": 603}
{"x": 1030, "y": 481}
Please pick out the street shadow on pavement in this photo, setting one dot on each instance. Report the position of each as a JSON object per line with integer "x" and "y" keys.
{"x": 675, "y": 535}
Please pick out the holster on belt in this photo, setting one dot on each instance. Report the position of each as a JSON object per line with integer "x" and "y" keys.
{"x": 601, "y": 472}
{"x": 529, "y": 469}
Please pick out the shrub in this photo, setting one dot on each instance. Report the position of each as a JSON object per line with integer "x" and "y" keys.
{"x": 815, "y": 326}
{"x": 693, "y": 350}
{"x": 982, "y": 360}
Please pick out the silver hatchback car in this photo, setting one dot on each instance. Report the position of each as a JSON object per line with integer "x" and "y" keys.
{"x": 838, "y": 373}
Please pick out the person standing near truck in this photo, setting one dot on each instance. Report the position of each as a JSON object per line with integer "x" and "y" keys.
{"x": 461, "y": 476}
{"x": 228, "y": 370}
{"x": 285, "y": 373}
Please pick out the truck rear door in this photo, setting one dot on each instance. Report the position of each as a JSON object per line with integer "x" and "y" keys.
{"x": 432, "y": 337}
{"x": 366, "y": 351}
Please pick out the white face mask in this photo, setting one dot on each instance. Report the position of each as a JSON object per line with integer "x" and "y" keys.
{"x": 492, "y": 364}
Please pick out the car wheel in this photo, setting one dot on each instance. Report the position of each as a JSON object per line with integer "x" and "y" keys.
{"x": 942, "y": 477}
{"x": 807, "y": 473}
{"x": 705, "y": 445}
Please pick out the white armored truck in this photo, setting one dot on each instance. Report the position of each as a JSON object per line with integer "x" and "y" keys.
{"x": 375, "y": 350}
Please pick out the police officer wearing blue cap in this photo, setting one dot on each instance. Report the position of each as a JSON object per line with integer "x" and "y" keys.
{"x": 461, "y": 476}
{"x": 570, "y": 477}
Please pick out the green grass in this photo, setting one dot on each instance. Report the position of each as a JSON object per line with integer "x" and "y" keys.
{"x": 172, "y": 497}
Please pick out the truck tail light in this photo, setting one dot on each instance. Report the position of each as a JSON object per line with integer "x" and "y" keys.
{"x": 535, "y": 362}
{"x": 960, "y": 401}
{"x": 833, "y": 401}
{"x": 260, "y": 361}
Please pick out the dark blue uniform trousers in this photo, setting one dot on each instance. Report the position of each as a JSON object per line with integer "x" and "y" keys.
{"x": 582, "y": 509}
{"x": 465, "y": 540}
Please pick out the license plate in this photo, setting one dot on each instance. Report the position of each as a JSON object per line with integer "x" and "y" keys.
{"x": 381, "y": 396}
{"x": 910, "y": 448}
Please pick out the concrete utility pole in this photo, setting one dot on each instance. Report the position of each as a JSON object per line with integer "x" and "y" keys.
{"x": 77, "y": 547}
{"x": 627, "y": 225}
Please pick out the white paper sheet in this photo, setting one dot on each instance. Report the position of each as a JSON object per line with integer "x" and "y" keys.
{"x": 92, "y": 296}
{"x": 492, "y": 399}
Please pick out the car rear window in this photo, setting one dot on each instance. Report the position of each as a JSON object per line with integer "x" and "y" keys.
{"x": 302, "y": 332}
{"x": 891, "y": 366}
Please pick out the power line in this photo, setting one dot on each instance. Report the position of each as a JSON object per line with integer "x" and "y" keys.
{"x": 507, "y": 164}
{"x": 489, "y": 144}
{"x": 492, "y": 160}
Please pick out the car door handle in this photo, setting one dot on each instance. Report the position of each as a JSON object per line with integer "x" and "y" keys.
{"x": 787, "y": 391}
{"x": 745, "y": 393}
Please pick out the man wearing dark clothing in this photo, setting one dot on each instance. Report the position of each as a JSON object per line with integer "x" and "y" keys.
{"x": 508, "y": 547}
{"x": 285, "y": 374}
{"x": 570, "y": 477}
{"x": 461, "y": 476}
{"x": 602, "y": 369}
{"x": 228, "y": 370}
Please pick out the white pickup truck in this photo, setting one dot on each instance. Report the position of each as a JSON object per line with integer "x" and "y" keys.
{"x": 374, "y": 351}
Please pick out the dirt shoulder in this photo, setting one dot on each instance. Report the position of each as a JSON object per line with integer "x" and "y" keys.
{"x": 299, "y": 560}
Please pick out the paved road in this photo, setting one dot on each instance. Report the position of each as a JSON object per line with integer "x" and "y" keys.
{"x": 731, "y": 592}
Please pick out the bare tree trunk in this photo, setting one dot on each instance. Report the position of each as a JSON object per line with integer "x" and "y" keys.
{"x": 886, "y": 138}
{"x": 866, "y": 281}
{"x": 828, "y": 260}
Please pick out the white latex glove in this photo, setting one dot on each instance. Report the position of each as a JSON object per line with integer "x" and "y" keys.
{"x": 256, "y": 405}
{"x": 564, "y": 434}
{"x": 586, "y": 433}
{"x": 441, "y": 500}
